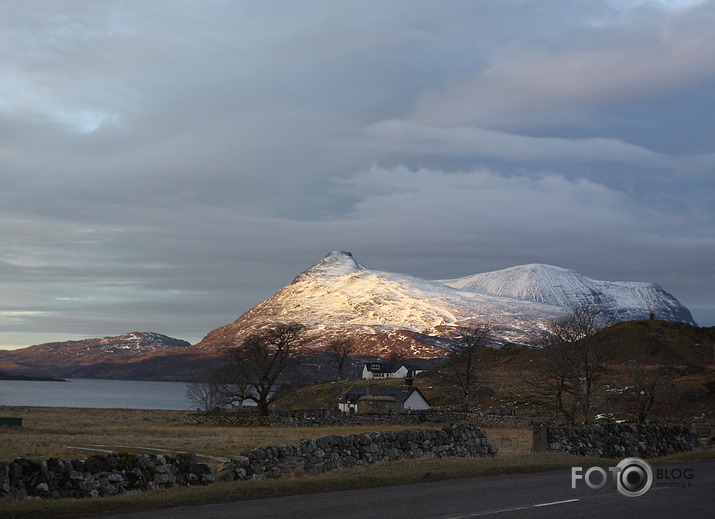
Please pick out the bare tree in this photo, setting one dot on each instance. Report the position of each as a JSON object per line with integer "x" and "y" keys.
{"x": 234, "y": 390}
{"x": 552, "y": 376}
{"x": 573, "y": 362}
{"x": 648, "y": 382}
{"x": 399, "y": 354}
{"x": 591, "y": 354}
{"x": 252, "y": 370}
{"x": 463, "y": 360}
{"x": 339, "y": 351}
{"x": 206, "y": 394}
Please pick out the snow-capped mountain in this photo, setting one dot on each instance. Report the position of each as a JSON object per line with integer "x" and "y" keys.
{"x": 619, "y": 300}
{"x": 383, "y": 311}
{"x": 339, "y": 296}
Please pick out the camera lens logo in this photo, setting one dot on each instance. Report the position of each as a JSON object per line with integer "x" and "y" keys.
{"x": 634, "y": 478}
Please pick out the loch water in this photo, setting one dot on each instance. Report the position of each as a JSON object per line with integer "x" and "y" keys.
{"x": 95, "y": 393}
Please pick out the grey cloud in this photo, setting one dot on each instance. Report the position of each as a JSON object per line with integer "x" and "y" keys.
{"x": 406, "y": 137}
{"x": 175, "y": 163}
{"x": 644, "y": 54}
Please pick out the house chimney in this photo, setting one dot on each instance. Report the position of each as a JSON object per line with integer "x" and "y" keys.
{"x": 408, "y": 380}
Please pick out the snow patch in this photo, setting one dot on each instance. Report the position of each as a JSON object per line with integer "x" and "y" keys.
{"x": 343, "y": 292}
{"x": 620, "y": 300}
{"x": 335, "y": 264}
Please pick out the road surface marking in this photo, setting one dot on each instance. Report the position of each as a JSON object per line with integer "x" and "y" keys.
{"x": 504, "y": 510}
{"x": 556, "y": 502}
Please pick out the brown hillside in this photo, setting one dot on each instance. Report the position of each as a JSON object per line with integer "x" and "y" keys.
{"x": 665, "y": 341}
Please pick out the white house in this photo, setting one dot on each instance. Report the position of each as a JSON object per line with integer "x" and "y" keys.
{"x": 409, "y": 397}
{"x": 373, "y": 370}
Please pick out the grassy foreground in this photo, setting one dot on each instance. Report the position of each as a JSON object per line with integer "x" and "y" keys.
{"x": 77, "y": 433}
{"x": 49, "y": 432}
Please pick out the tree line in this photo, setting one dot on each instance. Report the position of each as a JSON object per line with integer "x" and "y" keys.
{"x": 572, "y": 363}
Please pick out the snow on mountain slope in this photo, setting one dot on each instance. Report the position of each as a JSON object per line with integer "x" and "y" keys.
{"x": 620, "y": 300}
{"x": 339, "y": 296}
{"x": 390, "y": 300}
{"x": 336, "y": 263}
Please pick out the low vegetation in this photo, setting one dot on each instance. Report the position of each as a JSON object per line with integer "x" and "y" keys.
{"x": 655, "y": 371}
{"x": 637, "y": 371}
{"x": 76, "y": 433}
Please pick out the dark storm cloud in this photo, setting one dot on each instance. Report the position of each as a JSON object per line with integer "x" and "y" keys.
{"x": 165, "y": 166}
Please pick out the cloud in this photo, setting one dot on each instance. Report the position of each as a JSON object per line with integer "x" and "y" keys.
{"x": 177, "y": 266}
{"x": 534, "y": 213}
{"x": 167, "y": 165}
{"x": 469, "y": 140}
{"x": 643, "y": 53}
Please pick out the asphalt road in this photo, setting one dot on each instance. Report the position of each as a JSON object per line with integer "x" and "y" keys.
{"x": 531, "y": 495}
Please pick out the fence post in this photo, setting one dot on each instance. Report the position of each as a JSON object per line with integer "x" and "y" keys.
{"x": 540, "y": 437}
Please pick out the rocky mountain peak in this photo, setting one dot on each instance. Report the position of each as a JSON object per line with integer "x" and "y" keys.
{"x": 335, "y": 264}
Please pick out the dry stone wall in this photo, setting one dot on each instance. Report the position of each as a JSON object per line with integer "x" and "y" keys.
{"x": 329, "y": 418}
{"x": 613, "y": 440}
{"x": 95, "y": 476}
{"x": 123, "y": 473}
{"x": 333, "y": 452}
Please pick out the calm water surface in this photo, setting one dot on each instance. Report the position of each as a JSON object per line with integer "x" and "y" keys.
{"x": 126, "y": 394}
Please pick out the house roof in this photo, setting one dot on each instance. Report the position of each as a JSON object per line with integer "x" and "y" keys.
{"x": 388, "y": 367}
{"x": 381, "y": 367}
{"x": 399, "y": 393}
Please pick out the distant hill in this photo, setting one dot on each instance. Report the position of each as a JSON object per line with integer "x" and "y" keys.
{"x": 665, "y": 341}
{"x": 65, "y": 358}
{"x": 6, "y": 376}
{"x": 171, "y": 367}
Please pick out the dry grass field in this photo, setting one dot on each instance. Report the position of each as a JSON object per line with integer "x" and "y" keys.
{"x": 51, "y": 432}
{"x": 76, "y": 433}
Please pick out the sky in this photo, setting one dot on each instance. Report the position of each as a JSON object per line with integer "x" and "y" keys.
{"x": 167, "y": 165}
